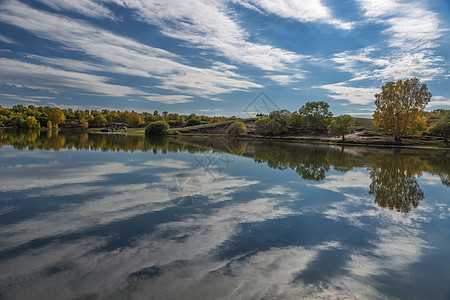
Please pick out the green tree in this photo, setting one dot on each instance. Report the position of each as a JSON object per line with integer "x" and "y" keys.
{"x": 442, "y": 127}
{"x": 316, "y": 115}
{"x": 19, "y": 121}
{"x": 297, "y": 122}
{"x": 56, "y": 116}
{"x": 399, "y": 107}
{"x": 275, "y": 123}
{"x": 237, "y": 128}
{"x": 394, "y": 183}
{"x": 157, "y": 128}
{"x": 49, "y": 125}
{"x": 98, "y": 121}
{"x": 193, "y": 122}
{"x": 342, "y": 125}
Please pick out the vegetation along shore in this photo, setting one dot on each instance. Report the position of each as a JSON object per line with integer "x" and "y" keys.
{"x": 399, "y": 119}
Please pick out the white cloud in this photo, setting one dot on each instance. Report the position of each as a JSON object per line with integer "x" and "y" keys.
{"x": 355, "y": 95}
{"x": 285, "y": 79}
{"x": 422, "y": 64}
{"x": 168, "y": 163}
{"x": 303, "y": 11}
{"x": 411, "y": 26}
{"x": 210, "y": 25}
{"x": 411, "y": 36}
{"x": 25, "y": 177}
{"x": 440, "y": 101}
{"x": 67, "y": 64}
{"x": 350, "y": 179}
{"x": 370, "y": 63}
{"x": 85, "y": 7}
{"x": 25, "y": 98}
{"x": 22, "y": 74}
{"x": 170, "y": 99}
{"x": 6, "y": 39}
{"x": 121, "y": 55}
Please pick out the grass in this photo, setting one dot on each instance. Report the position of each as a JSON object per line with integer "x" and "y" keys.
{"x": 366, "y": 124}
{"x": 203, "y": 126}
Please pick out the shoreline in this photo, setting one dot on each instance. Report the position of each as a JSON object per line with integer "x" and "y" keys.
{"x": 353, "y": 139}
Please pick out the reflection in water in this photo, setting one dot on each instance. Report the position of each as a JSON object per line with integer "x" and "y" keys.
{"x": 394, "y": 182}
{"x": 393, "y": 171}
{"x": 86, "y": 224}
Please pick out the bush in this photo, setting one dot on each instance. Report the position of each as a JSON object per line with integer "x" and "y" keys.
{"x": 193, "y": 122}
{"x": 440, "y": 129}
{"x": 157, "y": 128}
{"x": 237, "y": 128}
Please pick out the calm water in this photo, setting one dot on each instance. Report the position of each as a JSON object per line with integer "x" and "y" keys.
{"x": 113, "y": 217}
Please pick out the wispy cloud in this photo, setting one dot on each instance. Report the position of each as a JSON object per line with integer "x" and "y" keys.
{"x": 441, "y": 101}
{"x": 122, "y": 55}
{"x": 84, "y": 7}
{"x": 22, "y": 74}
{"x": 411, "y": 36}
{"x": 355, "y": 95}
{"x": 209, "y": 25}
{"x": 285, "y": 79}
{"x": 66, "y": 63}
{"x": 303, "y": 11}
{"x": 410, "y": 25}
{"x": 6, "y": 39}
{"x": 25, "y": 98}
{"x": 170, "y": 99}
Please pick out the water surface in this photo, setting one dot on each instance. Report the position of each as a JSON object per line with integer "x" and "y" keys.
{"x": 112, "y": 217}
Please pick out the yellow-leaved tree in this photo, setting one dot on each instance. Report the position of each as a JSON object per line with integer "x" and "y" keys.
{"x": 399, "y": 108}
{"x": 56, "y": 116}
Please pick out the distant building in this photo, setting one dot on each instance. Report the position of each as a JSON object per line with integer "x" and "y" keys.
{"x": 118, "y": 126}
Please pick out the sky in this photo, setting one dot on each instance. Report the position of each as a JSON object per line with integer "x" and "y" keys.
{"x": 220, "y": 57}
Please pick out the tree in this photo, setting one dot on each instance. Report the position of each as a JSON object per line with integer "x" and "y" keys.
{"x": 49, "y": 125}
{"x": 399, "y": 108}
{"x": 394, "y": 182}
{"x": 32, "y": 122}
{"x": 157, "y": 128}
{"x": 56, "y": 116}
{"x": 237, "y": 128}
{"x": 342, "y": 125}
{"x": 193, "y": 122}
{"x": 98, "y": 121}
{"x": 275, "y": 123}
{"x": 316, "y": 115}
{"x": 84, "y": 124}
{"x": 442, "y": 127}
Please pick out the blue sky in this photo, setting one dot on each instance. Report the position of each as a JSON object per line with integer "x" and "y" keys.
{"x": 214, "y": 57}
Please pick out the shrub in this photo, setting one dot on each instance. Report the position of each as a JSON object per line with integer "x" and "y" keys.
{"x": 440, "y": 129}
{"x": 193, "y": 122}
{"x": 237, "y": 128}
{"x": 157, "y": 128}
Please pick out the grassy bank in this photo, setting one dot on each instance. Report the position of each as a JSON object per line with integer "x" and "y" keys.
{"x": 364, "y": 132}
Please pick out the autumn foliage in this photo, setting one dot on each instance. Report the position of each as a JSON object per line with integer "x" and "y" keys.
{"x": 399, "y": 107}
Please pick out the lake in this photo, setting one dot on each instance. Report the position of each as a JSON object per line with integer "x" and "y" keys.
{"x": 85, "y": 216}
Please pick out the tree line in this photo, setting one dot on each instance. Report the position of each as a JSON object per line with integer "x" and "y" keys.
{"x": 31, "y": 116}
{"x": 399, "y": 112}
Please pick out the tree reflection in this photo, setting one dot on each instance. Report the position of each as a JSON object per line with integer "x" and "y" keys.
{"x": 394, "y": 182}
{"x": 392, "y": 172}
{"x": 440, "y": 165}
